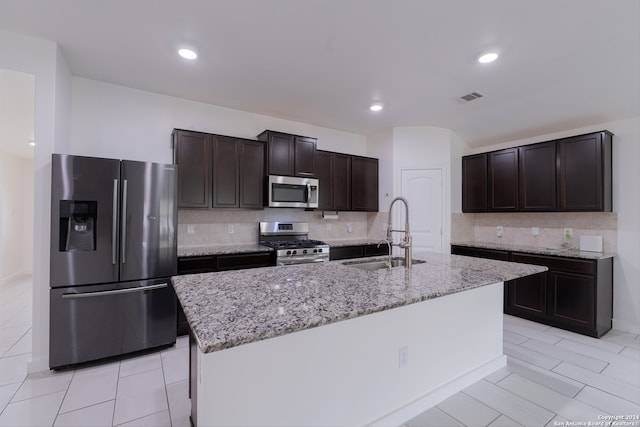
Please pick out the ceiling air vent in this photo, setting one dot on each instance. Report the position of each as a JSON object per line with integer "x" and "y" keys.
{"x": 471, "y": 96}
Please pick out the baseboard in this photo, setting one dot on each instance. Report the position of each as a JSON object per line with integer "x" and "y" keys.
{"x": 40, "y": 364}
{"x": 623, "y": 326}
{"x": 415, "y": 408}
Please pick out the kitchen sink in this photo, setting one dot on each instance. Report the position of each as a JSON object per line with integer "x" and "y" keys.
{"x": 380, "y": 264}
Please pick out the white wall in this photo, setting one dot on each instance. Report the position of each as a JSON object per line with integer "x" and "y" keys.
{"x": 626, "y": 203}
{"x": 115, "y": 121}
{"x": 16, "y": 198}
{"x": 42, "y": 59}
{"x": 422, "y": 147}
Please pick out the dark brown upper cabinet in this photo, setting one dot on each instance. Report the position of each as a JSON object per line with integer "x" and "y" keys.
{"x": 192, "y": 151}
{"x": 334, "y": 172}
{"x": 251, "y": 159}
{"x": 342, "y": 183}
{"x": 503, "y": 180}
{"x": 364, "y": 184}
{"x": 216, "y": 171}
{"x": 289, "y": 155}
{"x": 538, "y": 177}
{"x": 325, "y": 161}
{"x": 571, "y": 175}
{"x": 237, "y": 173}
{"x": 225, "y": 172}
{"x": 584, "y": 172}
{"x": 474, "y": 183}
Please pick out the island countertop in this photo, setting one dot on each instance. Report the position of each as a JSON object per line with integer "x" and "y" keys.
{"x": 230, "y": 308}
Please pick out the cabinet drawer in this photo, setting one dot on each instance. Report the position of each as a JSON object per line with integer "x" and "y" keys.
{"x": 346, "y": 252}
{"x": 375, "y": 250}
{"x": 480, "y": 252}
{"x": 240, "y": 261}
{"x": 557, "y": 263}
{"x": 196, "y": 264}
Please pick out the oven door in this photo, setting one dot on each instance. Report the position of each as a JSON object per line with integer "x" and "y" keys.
{"x": 292, "y": 192}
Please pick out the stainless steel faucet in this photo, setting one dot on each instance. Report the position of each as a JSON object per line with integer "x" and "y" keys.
{"x": 406, "y": 242}
{"x": 389, "y": 255}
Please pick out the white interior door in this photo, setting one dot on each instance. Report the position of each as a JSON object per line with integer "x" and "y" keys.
{"x": 423, "y": 190}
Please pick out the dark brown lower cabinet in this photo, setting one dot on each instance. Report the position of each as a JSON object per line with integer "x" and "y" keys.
{"x": 575, "y": 294}
{"x": 357, "y": 251}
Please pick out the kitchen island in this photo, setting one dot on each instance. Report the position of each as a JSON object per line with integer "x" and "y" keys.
{"x": 332, "y": 344}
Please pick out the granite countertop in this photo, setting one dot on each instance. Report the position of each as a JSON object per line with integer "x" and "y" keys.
{"x": 220, "y": 249}
{"x": 564, "y": 252}
{"x": 230, "y": 308}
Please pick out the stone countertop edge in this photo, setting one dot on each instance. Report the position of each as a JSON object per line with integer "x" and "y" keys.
{"x": 567, "y": 253}
{"x": 187, "y": 251}
{"x": 230, "y": 308}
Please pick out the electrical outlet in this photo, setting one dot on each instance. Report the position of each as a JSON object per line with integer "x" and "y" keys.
{"x": 230, "y": 229}
{"x": 190, "y": 229}
{"x": 535, "y": 231}
{"x": 499, "y": 231}
{"x": 568, "y": 233}
{"x": 403, "y": 357}
{"x": 349, "y": 228}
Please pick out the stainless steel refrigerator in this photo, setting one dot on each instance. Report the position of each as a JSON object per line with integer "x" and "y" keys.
{"x": 113, "y": 252}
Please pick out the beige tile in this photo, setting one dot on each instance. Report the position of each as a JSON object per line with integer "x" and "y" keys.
{"x": 578, "y": 220}
{"x": 604, "y": 221}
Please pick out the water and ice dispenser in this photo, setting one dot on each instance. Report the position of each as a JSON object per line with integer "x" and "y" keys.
{"x": 78, "y": 222}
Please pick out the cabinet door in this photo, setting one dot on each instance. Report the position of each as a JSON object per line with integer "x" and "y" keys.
{"x": 225, "y": 172}
{"x": 280, "y": 156}
{"x": 474, "y": 183}
{"x": 581, "y": 182}
{"x": 364, "y": 184}
{"x": 251, "y": 174}
{"x": 342, "y": 182}
{"x": 192, "y": 154}
{"x": 304, "y": 156}
{"x": 325, "y": 174}
{"x": 527, "y": 297}
{"x": 503, "y": 180}
{"x": 571, "y": 300}
{"x": 538, "y": 177}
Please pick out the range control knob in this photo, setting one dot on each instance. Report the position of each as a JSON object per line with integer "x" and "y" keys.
{"x": 320, "y": 250}
{"x": 315, "y": 251}
{"x": 304, "y": 251}
{"x": 295, "y": 252}
{"x": 288, "y": 252}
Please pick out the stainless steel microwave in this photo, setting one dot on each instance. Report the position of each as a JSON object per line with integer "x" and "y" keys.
{"x": 292, "y": 192}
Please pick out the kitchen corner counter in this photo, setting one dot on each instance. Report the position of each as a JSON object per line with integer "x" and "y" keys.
{"x": 187, "y": 251}
{"x": 561, "y": 252}
{"x": 227, "y": 309}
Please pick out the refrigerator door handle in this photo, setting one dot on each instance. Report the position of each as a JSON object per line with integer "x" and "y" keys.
{"x": 124, "y": 221}
{"x": 114, "y": 224}
{"x": 114, "y": 292}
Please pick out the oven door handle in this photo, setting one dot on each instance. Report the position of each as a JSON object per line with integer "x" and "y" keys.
{"x": 113, "y": 292}
{"x": 308, "y": 194}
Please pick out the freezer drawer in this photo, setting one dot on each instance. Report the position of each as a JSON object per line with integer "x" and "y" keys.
{"x": 97, "y": 321}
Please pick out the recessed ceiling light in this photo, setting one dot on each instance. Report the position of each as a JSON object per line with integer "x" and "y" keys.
{"x": 376, "y": 107}
{"x": 187, "y": 53}
{"x": 487, "y": 57}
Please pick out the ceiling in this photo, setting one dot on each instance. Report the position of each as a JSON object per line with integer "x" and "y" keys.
{"x": 563, "y": 64}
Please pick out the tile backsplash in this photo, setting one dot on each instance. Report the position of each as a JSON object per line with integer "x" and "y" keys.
{"x": 238, "y": 227}
{"x": 517, "y": 228}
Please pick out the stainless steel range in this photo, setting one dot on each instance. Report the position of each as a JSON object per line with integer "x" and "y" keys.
{"x": 291, "y": 243}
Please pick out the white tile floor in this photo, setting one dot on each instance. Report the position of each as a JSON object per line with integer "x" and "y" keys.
{"x": 552, "y": 376}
